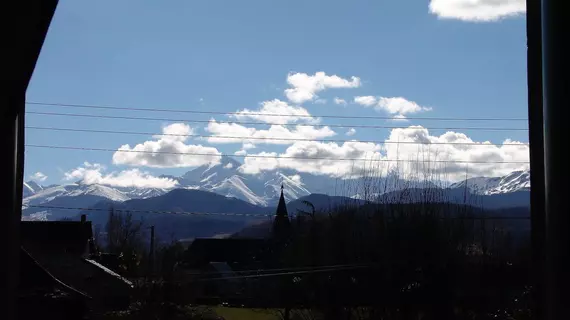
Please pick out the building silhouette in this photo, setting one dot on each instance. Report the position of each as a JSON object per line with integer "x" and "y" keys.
{"x": 281, "y": 224}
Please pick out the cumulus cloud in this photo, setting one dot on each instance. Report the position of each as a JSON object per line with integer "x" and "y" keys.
{"x": 400, "y": 118}
{"x": 477, "y": 10}
{"x": 351, "y": 132}
{"x": 39, "y": 177}
{"x": 413, "y": 151}
{"x": 394, "y": 105}
{"x": 340, "y": 101}
{"x": 367, "y": 101}
{"x": 456, "y": 148}
{"x": 315, "y": 157}
{"x": 95, "y": 174}
{"x": 248, "y": 146}
{"x": 264, "y": 136}
{"x": 277, "y": 111}
{"x": 304, "y": 87}
{"x": 167, "y": 151}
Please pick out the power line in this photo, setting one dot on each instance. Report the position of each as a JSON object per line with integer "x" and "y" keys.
{"x": 273, "y": 269}
{"x": 281, "y": 274}
{"x": 270, "y": 157}
{"x": 266, "y": 114}
{"x": 261, "y": 215}
{"x": 272, "y": 138}
{"x": 272, "y": 124}
{"x": 251, "y": 214}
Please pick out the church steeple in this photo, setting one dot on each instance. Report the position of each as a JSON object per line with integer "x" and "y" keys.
{"x": 281, "y": 207}
{"x": 281, "y": 224}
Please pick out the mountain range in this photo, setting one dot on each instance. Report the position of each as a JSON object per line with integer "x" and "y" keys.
{"x": 222, "y": 188}
{"x": 514, "y": 181}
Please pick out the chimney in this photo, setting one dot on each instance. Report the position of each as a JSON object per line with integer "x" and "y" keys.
{"x": 83, "y": 218}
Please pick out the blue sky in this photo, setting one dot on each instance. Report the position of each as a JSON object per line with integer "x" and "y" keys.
{"x": 451, "y": 58}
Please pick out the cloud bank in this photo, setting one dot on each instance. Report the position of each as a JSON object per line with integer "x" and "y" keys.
{"x": 38, "y": 177}
{"x": 304, "y": 87}
{"x": 167, "y": 151}
{"x": 397, "y": 106}
{"x": 413, "y": 151}
{"x": 95, "y": 174}
{"x": 276, "y": 111}
{"x": 264, "y": 136}
{"x": 477, "y": 10}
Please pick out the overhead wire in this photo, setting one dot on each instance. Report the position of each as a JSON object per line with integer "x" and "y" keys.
{"x": 249, "y": 113}
{"x": 279, "y": 274}
{"x": 268, "y": 138}
{"x": 261, "y": 215}
{"x": 262, "y": 270}
{"x": 273, "y": 124}
{"x": 268, "y": 156}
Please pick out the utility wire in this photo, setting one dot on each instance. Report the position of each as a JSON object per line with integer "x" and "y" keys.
{"x": 268, "y": 156}
{"x": 261, "y": 271}
{"x": 266, "y": 114}
{"x": 250, "y": 214}
{"x": 272, "y": 124}
{"x": 280, "y": 274}
{"x": 155, "y": 211}
{"x": 272, "y": 138}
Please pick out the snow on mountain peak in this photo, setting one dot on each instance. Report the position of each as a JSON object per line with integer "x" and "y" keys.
{"x": 234, "y": 186}
{"x": 514, "y": 181}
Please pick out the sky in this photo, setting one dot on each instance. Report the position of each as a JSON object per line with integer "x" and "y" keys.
{"x": 388, "y": 60}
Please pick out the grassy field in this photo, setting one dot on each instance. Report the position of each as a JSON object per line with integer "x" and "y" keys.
{"x": 246, "y": 314}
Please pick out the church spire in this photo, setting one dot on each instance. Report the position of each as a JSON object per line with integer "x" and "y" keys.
{"x": 281, "y": 224}
{"x": 281, "y": 207}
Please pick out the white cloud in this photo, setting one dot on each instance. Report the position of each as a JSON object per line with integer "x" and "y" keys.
{"x": 412, "y": 151}
{"x": 350, "y": 132}
{"x": 340, "y": 101}
{"x": 167, "y": 151}
{"x": 244, "y": 147}
{"x": 400, "y": 118}
{"x": 279, "y": 112}
{"x": 304, "y": 87}
{"x": 437, "y": 148}
{"x": 395, "y": 105}
{"x": 248, "y": 146}
{"x": 94, "y": 174}
{"x": 400, "y": 106}
{"x": 477, "y": 10}
{"x": 295, "y": 178}
{"x": 324, "y": 158}
{"x": 39, "y": 177}
{"x": 367, "y": 101}
{"x": 264, "y": 136}
{"x": 229, "y": 165}
{"x": 320, "y": 101}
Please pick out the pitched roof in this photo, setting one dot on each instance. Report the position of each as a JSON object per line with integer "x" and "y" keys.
{"x": 62, "y": 236}
{"x": 203, "y": 251}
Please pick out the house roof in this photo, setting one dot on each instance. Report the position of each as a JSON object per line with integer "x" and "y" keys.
{"x": 203, "y": 251}
{"x": 33, "y": 276}
{"x": 62, "y": 236}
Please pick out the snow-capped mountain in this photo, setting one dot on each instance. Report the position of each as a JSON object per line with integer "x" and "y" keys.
{"x": 263, "y": 189}
{"x": 236, "y": 186}
{"x": 75, "y": 190}
{"x": 30, "y": 188}
{"x": 514, "y": 181}
{"x": 293, "y": 187}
